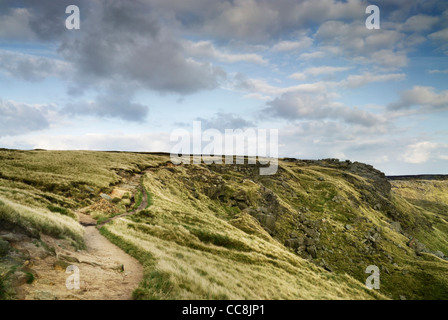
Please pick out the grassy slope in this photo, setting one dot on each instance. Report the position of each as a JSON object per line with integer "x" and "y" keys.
{"x": 53, "y": 184}
{"x": 201, "y": 237}
{"x": 429, "y": 200}
{"x": 40, "y": 190}
{"x": 191, "y": 216}
{"x": 191, "y": 251}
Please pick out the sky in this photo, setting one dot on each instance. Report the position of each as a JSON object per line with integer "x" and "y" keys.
{"x": 137, "y": 70}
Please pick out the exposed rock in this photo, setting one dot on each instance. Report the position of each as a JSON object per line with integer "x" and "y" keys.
{"x": 309, "y": 242}
{"x": 338, "y": 199}
{"x": 44, "y": 295}
{"x": 439, "y": 254}
{"x": 34, "y": 250}
{"x": 312, "y": 233}
{"x": 270, "y": 222}
{"x": 417, "y": 246}
{"x": 324, "y": 265}
{"x": 68, "y": 258}
{"x": 104, "y": 206}
{"x": 13, "y": 237}
{"x": 60, "y": 265}
{"x": 292, "y": 243}
{"x": 19, "y": 278}
{"x": 348, "y": 227}
{"x": 396, "y": 226}
{"x": 267, "y": 221}
{"x": 240, "y": 196}
{"x": 312, "y": 250}
{"x": 377, "y": 177}
{"x": 105, "y": 197}
{"x": 328, "y": 268}
{"x": 119, "y": 268}
{"x": 263, "y": 210}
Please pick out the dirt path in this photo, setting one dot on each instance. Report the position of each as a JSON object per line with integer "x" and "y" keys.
{"x": 105, "y": 271}
{"x": 142, "y": 206}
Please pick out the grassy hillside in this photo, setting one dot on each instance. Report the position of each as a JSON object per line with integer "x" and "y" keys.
{"x": 225, "y": 232}
{"x": 429, "y": 197}
{"x": 197, "y": 249}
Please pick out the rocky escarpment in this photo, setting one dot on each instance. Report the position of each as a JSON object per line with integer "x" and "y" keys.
{"x": 340, "y": 215}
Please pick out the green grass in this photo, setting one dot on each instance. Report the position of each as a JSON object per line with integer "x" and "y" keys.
{"x": 5, "y": 286}
{"x": 138, "y": 199}
{"x": 204, "y": 232}
{"x": 60, "y": 210}
{"x": 190, "y": 228}
{"x": 29, "y": 277}
{"x": 197, "y": 254}
{"x": 38, "y": 188}
{"x": 149, "y": 198}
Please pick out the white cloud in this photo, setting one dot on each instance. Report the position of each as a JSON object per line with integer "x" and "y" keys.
{"x": 31, "y": 68}
{"x": 254, "y": 20}
{"x": 355, "y": 41}
{"x": 317, "y": 71}
{"x": 312, "y": 55}
{"x": 359, "y": 80}
{"x": 441, "y": 35}
{"x": 390, "y": 58}
{"x": 298, "y": 76}
{"x": 18, "y": 118}
{"x": 438, "y": 71}
{"x": 301, "y": 44}
{"x": 418, "y": 153}
{"x": 294, "y": 106}
{"x": 257, "y": 96}
{"x": 93, "y": 141}
{"x": 15, "y": 25}
{"x": 206, "y": 49}
{"x": 425, "y": 98}
{"x": 261, "y": 86}
{"x": 419, "y": 23}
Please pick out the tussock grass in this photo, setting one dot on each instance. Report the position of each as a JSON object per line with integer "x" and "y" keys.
{"x": 39, "y": 220}
{"x": 68, "y": 176}
{"x": 196, "y": 243}
{"x": 187, "y": 273}
{"x": 41, "y": 189}
{"x": 185, "y": 226}
{"x": 192, "y": 252}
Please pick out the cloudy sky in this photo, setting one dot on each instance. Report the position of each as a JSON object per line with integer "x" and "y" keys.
{"x": 138, "y": 69}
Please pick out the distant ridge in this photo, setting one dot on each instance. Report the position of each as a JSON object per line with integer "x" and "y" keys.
{"x": 420, "y": 177}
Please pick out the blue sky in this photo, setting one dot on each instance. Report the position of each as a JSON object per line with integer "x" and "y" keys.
{"x": 137, "y": 70}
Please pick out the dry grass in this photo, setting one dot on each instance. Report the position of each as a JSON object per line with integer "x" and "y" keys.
{"x": 195, "y": 254}
{"x": 39, "y": 220}
{"x": 198, "y": 246}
